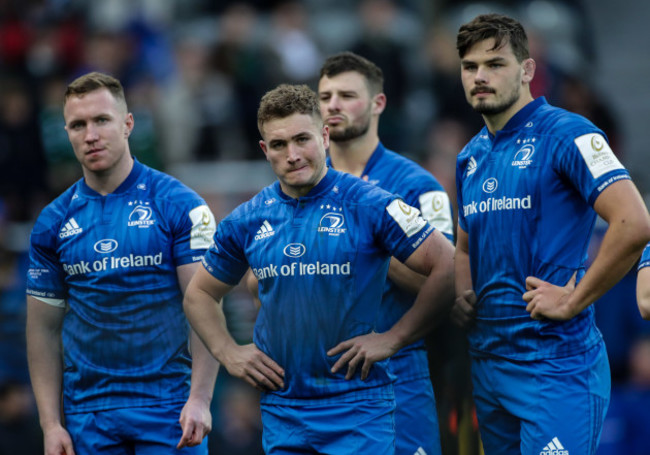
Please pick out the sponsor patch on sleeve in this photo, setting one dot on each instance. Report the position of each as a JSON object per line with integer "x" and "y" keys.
{"x": 597, "y": 154}
{"x": 203, "y": 227}
{"x": 436, "y": 209}
{"x": 408, "y": 218}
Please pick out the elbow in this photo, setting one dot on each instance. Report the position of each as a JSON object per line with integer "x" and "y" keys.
{"x": 643, "y": 302}
{"x": 644, "y": 309}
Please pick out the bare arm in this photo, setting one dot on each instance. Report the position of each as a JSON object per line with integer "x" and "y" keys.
{"x": 195, "y": 418}
{"x": 628, "y": 232}
{"x": 253, "y": 287}
{"x": 643, "y": 292}
{"x": 203, "y": 306}
{"x": 45, "y": 358}
{"x": 434, "y": 258}
{"x": 463, "y": 311}
{"x": 405, "y": 278}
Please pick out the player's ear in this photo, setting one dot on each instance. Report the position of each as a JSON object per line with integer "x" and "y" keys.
{"x": 326, "y": 136}
{"x": 528, "y": 69}
{"x": 263, "y": 147}
{"x": 378, "y": 103}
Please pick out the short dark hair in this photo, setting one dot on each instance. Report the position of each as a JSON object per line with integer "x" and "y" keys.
{"x": 94, "y": 81}
{"x": 349, "y": 61}
{"x": 286, "y": 100}
{"x": 503, "y": 29}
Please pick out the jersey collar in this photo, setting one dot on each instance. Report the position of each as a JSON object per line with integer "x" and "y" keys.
{"x": 524, "y": 113}
{"x": 321, "y": 187}
{"x": 372, "y": 161}
{"x": 130, "y": 180}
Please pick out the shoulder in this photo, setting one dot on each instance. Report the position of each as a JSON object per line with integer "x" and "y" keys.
{"x": 558, "y": 122}
{"x": 261, "y": 205}
{"x": 165, "y": 186}
{"x": 411, "y": 173}
{"x": 357, "y": 191}
{"x": 54, "y": 214}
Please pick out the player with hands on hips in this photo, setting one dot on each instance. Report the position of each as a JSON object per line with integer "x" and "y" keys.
{"x": 319, "y": 243}
{"x": 530, "y": 185}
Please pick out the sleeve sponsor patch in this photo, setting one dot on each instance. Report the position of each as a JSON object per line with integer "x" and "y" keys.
{"x": 597, "y": 154}
{"x": 203, "y": 227}
{"x": 408, "y": 218}
{"x": 436, "y": 209}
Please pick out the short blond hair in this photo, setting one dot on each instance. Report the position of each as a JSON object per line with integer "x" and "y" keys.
{"x": 286, "y": 100}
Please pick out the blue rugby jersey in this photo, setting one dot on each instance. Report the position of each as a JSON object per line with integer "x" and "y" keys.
{"x": 525, "y": 199}
{"x": 113, "y": 259}
{"x": 321, "y": 262}
{"x": 419, "y": 189}
{"x": 645, "y": 258}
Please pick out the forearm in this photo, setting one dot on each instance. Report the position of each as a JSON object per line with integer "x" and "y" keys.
{"x": 209, "y": 323}
{"x": 405, "y": 278}
{"x": 204, "y": 370}
{"x": 620, "y": 248}
{"x": 462, "y": 275}
{"x": 44, "y": 356}
{"x": 434, "y": 300}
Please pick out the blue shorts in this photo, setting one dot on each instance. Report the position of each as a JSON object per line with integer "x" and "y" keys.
{"x": 356, "y": 428}
{"x": 130, "y": 431}
{"x": 416, "y": 418}
{"x": 545, "y": 407}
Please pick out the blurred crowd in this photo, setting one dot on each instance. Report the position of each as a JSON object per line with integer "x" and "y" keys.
{"x": 194, "y": 71}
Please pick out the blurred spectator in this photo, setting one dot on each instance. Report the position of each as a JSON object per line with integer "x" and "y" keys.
{"x": 242, "y": 56}
{"x": 625, "y": 429}
{"x": 383, "y": 42}
{"x": 577, "y": 95}
{"x": 299, "y": 57}
{"x": 19, "y": 428}
{"x": 62, "y": 166}
{"x": 617, "y": 315}
{"x": 22, "y": 159}
{"x": 237, "y": 428}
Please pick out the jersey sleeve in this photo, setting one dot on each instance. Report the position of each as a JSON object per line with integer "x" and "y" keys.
{"x": 194, "y": 227}
{"x": 226, "y": 259}
{"x": 425, "y": 193}
{"x": 589, "y": 163}
{"x": 645, "y": 258}
{"x": 45, "y": 275}
{"x": 402, "y": 229}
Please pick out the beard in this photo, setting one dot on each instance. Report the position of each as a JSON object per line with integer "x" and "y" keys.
{"x": 486, "y": 108}
{"x": 350, "y": 132}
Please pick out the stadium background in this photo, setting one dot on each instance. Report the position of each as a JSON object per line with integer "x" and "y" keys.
{"x": 194, "y": 71}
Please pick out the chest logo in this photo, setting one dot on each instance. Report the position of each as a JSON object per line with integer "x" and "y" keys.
{"x": 523, "y": 157}
{"x": 332, "y": 223}
{"x": 265, "y": 231}
{"x": 471, "y": 166}
{"x": 294, "y": 250}
{"x": 105, "y": 246}
{"x": 70, "y": 228}
{"x": 490, "y": 185}
{"x": 141, "y": 216}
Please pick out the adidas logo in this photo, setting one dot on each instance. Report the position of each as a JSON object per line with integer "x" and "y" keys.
{"x": 554, "y": 447}
{"x": 471, "y": 166}
{"x": 420, "y": 451}
{"x": 266, "y": 230}
{"x": 70, "y": 228}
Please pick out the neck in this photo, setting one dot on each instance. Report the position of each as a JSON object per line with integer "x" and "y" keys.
{"x": 105, "y": 182}
{"x": 496, "y": 122}
{"x": 353, "y": 155}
